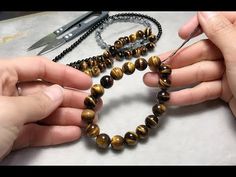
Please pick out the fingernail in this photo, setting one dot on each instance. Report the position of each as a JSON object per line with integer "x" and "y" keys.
{"x": 208, "y": 15}
{"x": 55, "y": 92}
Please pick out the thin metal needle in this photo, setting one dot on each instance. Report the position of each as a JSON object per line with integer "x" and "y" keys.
{"x": 190, "y": 36}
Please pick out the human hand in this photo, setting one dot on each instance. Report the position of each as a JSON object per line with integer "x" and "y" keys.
{"x": 209, "y": 64}
{"x": 43, "y": 114}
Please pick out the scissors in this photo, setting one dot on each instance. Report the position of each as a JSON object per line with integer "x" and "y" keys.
{"x": 52, "y": 41}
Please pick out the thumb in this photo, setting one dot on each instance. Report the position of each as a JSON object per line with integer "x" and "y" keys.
{"x": 39, "y": 105}
{"x": 219, "y": 30}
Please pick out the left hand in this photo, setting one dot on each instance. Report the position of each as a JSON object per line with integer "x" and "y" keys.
{"x": 42, "y": 114}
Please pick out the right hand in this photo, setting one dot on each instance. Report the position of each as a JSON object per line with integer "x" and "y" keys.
{"x": 209, "y": 63}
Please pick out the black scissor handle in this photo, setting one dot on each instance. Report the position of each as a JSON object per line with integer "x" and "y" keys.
{"x": 81, "y": 27}
{"x": 69, "y": 25}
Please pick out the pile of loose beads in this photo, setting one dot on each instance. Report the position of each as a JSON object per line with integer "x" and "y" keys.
{"x": 95, "y": 65}
{"x": 130, "y": 138}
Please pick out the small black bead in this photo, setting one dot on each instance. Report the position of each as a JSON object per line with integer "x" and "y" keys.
{"x": 106, "y": 81}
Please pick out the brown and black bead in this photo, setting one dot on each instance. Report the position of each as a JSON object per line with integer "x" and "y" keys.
{"x": 165, "y": 70}
{"x": 127, "y": 54}
{"x": 152, "y": 38}
{"x": 147, "y": 32}
{"x": 88, "y": 115}
{"x": 118, "y": 44}
{"x": 151, "y": 121}
{"x": 131, "y": 138}
{"x": 142, "y": 131}
{"x": 158, "y": 109}
{"x": 106, "y": 81}
{"x": 132, "y": 38}
{"x": 117, "y": 142}
{"x": 150, "y": 46}
{"x": 97, "y": 91}
{"x": 163, "y": 96}
{"x": 140, "y": 64}
{"x": 103, "y": 141}
{"x": 139, "y": 34}
{"x": 164, "y": 83}
{"x": 116, "y": 73}
{"x": 95, "y": 71}
{"x": 90, "y": 102}
{"x": 92, "y": 130}
{"x": 154, "y": 63}
{"x": 128, "y": 68}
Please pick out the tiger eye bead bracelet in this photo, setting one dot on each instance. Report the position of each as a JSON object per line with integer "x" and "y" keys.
{"x": 130, "y": 138}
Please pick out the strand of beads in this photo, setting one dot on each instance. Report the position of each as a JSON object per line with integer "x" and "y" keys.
{"x": 95, "y": 65}
{"x": 130, "y": 138}
{"x": 117, "y": 19}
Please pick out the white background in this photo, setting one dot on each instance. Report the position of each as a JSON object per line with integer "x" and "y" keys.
{"x": 199, "y": 134}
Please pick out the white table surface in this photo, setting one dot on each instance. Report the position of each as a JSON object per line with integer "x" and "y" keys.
{"x": 199, "y": 134}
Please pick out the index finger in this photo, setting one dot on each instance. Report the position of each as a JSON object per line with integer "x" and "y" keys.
{"x": 32, "y": 68}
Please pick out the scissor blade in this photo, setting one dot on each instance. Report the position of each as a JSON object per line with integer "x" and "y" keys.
{"x": 45, "y": 40}
{"x": 57, "y": 43}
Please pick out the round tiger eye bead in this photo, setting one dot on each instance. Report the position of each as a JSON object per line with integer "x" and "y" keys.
{"x": 118, "y": 44}
{"x": 151, "y": 121}
{"x": 139, "y": 34}
{"x": 106, "y": 54}
{"x": 154, "y": 62}
{"x": 90, "y": 62}
{"x": 117, "y": 142}
{"x": 127, "y": 54}
{"x": 150, "y": 46}
{"x": 90, "y": 102}
{"x": 88, "y": 115}
{"x": 120, "y": 56}
{"x": 143, "y": 50}
{"x": 122, "y": 39}
{"x": 165, "y": 70}
{"x": 95, "y": 71}
{"x": 158, "y": 109}
{"x": 163, "y": 96}
{"x": 140, "y": 64}
{"x": 108, "y": 62}
{"x": 142, "y": 131}
{"x": 116, "y": 73}
{"x": 136, "y": 52}
{"x": 97, "y": 91}
{"x": 126, "y": 39}
{"x": 106, "y": 81}
{"x": 102, "y": 66}
{"x": 164, "y": 83}
{"x": 132, "y": 37}
{"x": 152, "y": 38}
{"x": 88, "y": 72}
{"x": 147, "y": 32}
{"x": 103, "y": 141}
{"x": 128, "y": 68}
{"x": 92, "y": 130}
{"x": 113, "y": 51}
{"x": 131, "y": 138}
{"x": 83, "y": 66}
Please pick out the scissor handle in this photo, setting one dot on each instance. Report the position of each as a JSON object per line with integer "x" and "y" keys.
{"x": 81, "y": 27}
{"x": 69, "y": 25}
